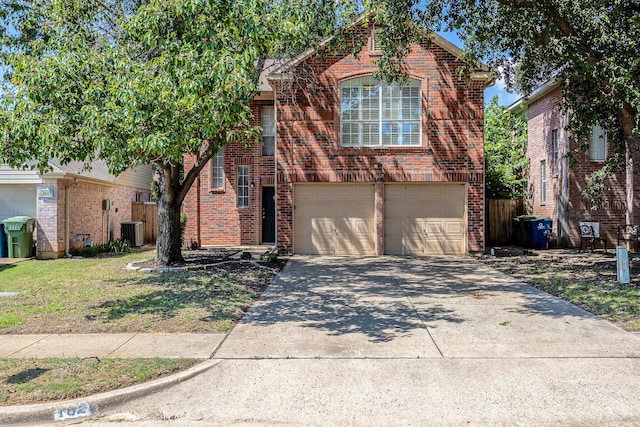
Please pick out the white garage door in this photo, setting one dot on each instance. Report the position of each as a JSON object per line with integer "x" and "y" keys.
{"x": 425, "y": 219}
{"x": 334, "y": 219}
{"x": 17, "y": 200}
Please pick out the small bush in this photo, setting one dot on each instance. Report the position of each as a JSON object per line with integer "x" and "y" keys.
{"x": 119, "y": 246}
{"x": 116, "y": 246}
{"x": 245, "y": 255}
{"x": 269, "y": 256}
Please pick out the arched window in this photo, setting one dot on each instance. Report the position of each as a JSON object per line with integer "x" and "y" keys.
{"x": 374, "y": 113}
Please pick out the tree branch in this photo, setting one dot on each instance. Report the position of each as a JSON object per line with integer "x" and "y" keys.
{"x": 202, "y": 160}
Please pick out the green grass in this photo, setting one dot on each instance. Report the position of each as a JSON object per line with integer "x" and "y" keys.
{"x": 27, "y": 381}
{"x": 99, "y": 295}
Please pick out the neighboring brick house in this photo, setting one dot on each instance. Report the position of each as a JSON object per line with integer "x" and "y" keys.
{"x": 556, "y": 181}
{"x": 68, "y": 203}
{"x": 348, "y": 165}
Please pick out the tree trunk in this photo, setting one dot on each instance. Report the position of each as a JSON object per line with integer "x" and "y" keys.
{"x": 171, "y": 193}
{"x": 629, "y": 185}
{"x": 166, "y": 179}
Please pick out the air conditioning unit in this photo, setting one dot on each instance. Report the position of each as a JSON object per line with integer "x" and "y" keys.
{"x": 132, "y": 232}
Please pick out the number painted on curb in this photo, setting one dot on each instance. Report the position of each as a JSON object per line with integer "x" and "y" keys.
{"x": 82, "y": 410}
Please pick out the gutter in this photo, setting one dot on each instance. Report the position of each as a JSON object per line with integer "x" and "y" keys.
{"x": 275, "y": 167}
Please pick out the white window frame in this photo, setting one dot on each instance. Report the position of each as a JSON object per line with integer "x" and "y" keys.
{"x": 268, "y": 123}
{"x": 374, "y": 114}
{"x": 543, "y": 181}
{"x": 217, "y": 171}
{"x": 243, "y": 186}
{"x": 597, "y": 144}
{"x": 555, "y": 164}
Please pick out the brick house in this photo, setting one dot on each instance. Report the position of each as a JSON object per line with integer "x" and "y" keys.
{"x": 349, "y": 165}
{"x": 556, "y": 180}
{"x": 68, "y": 203}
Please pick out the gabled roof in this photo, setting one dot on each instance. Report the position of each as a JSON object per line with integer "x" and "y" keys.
{"x": 98, "y": 171}
{"x": 538, "y": 93}
{"x": 482, "y": 72}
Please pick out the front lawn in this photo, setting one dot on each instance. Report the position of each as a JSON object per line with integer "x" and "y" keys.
{"x": 98, "y": 295}
{"x": 25, "y": 381}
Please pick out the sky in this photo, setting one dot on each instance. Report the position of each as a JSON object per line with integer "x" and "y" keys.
{"x": 505, "y": 98}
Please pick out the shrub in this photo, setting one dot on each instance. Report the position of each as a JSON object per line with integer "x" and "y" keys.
{"x": 269, "y": 256}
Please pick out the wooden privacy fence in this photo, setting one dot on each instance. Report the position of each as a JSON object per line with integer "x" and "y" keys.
{"x": 147, "y": 213}
{"x": 500, "y": 213}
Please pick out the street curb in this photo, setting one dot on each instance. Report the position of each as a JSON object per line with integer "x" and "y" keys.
{"x": 94, "y": 405}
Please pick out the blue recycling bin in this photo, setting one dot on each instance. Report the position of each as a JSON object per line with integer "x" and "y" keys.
{"x": 3, "y": 242}
{"x": 539, "y": 232}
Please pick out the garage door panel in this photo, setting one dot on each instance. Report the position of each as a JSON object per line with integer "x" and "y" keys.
{"x": 435, "y": 228}
{"x": 17, "y": 200}
{"x": 321, "y": 238}
{"x": 334, "y": 219}
{"x": 453, "y": 228}
{"x": 432, "y": 216}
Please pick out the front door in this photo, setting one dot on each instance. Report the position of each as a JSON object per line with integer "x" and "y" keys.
{"x": 268, "y": 215}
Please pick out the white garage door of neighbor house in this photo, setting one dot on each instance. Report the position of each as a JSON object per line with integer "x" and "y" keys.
{"x": 17, "y": 200}
{"x": 334, "y": 219}
{"x": 425, "y": 219}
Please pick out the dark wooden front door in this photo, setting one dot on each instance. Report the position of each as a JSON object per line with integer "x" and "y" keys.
{"x": 268, "y": 215}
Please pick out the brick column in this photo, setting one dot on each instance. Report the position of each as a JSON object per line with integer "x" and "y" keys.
{"x": 379, "y": 217}
{"x": 48, "y": 235}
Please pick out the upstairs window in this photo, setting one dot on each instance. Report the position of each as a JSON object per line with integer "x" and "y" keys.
{"x": 217, "y": 171}
{"x": 268, "y": 123}
{"x": 543, "y": 181}
{"x": 376, "y": 114}
{"x": 598, "y": 144}
{"x": 554, "y": 149}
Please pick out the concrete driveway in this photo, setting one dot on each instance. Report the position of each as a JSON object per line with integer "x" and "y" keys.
{"x": 397, "y": 341}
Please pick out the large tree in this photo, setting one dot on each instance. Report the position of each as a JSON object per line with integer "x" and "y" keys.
{"x": 140, "y": 82}
{"x": 589, "y": 47}
{"x": 148, "y": 82}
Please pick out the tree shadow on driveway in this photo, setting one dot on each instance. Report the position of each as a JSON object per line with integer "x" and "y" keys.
{"x": 387, "y": 297}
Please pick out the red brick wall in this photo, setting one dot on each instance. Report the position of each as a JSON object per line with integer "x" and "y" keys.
{"x": 452, "y": 134}
{"x": 86, "y": 216}
{"x": 213, "y": 217}
{"x": 544, "y": 116}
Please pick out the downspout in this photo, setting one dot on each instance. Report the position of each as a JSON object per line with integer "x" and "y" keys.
{"x": 67, "y": 201}
{"x": 275, "y": 164}
{"x": 565, "y": 172}
{"x": 564, "y": 202}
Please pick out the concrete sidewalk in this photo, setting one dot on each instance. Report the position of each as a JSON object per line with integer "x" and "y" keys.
{"x": 197, "y": 346}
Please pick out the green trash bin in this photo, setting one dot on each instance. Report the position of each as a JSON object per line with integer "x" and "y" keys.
{"x": 19, "y": 230}
{"x": 520, "y": 235}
